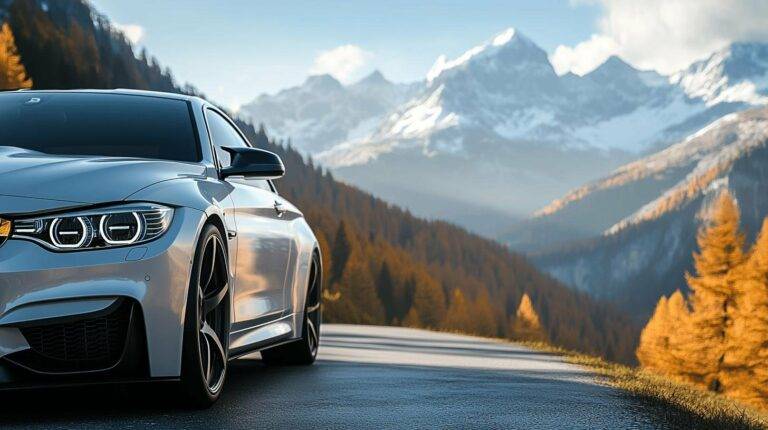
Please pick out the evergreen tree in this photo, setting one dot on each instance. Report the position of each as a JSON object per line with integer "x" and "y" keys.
{"x": 385, "y": 285}
{"x": 713, "y": 293}
{"x": 13, "y": 75}
{"x": 342, "y": 248}
{"x": 526, "y": 325}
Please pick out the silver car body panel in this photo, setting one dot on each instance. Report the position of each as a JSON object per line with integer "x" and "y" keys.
{"x": 37, "y": 283}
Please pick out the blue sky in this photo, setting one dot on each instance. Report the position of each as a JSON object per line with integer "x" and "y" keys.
{"x": 234, "y": 50}
{"x": 237, "y": 49}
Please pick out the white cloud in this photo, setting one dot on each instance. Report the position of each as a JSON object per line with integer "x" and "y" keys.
{"x": 585, "y": 56}
{"x": 345, "y": 62}
{"x": 665, "y": 35}
{"x": 133, "y": 32}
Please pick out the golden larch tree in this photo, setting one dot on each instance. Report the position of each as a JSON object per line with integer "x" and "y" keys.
{"x": 458, "y": 317}
{"x": 679, "y": 338}
{"x": 713, "y": 293}
{"x": 428, "y": 308}
{"x": 484, "y": 316}
{"x": 746, "y": 362}
{"x": 664, "y": 340}
{"x": 525, "y": 325}
{"x": 654, "y": 339}
{"x": 13, "y": 75}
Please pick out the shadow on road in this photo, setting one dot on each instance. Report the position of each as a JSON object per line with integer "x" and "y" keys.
{"x": 342, "y": 391}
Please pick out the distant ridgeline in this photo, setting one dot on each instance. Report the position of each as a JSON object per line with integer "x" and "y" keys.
{"x": 383, "y": 265}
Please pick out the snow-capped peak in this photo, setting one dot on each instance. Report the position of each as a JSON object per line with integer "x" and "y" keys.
{"x": 443, "y": 64}
{"x": 737, "y": 73}
{"x": 504, "y": 37}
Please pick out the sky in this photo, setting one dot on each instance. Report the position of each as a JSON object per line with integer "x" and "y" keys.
{"x": 235, "y": 50}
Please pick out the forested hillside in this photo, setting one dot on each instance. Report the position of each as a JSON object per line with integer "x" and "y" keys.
{"x": 383, "y": 266}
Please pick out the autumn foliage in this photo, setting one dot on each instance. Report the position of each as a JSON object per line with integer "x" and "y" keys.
{"x": 717, "y": 337}
{"x": 13, "y": 75}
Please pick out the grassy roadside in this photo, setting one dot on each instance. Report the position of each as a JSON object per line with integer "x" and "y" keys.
{"x": 683, "y": 405}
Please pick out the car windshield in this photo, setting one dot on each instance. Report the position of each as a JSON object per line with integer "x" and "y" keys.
{"x": 111, "y": 125}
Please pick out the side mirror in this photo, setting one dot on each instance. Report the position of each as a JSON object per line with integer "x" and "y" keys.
{"x": 253, "y": 163}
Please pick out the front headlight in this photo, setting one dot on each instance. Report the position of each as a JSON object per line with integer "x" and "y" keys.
{"x": 95, "y": 229}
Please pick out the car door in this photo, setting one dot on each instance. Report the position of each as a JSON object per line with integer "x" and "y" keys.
{"x": 264, "y": 239}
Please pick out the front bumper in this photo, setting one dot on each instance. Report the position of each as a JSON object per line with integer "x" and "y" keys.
{"x": 40, "y": 286}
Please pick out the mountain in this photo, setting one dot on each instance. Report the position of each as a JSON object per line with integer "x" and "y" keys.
{"x": 737, "y": 73}
{"x": 322, "y": 111}
{"x": 730, "y": 79}
{"x": 519, "y": 134}
{"x": 383, "y": 264}
{"x": 644, "y": 216}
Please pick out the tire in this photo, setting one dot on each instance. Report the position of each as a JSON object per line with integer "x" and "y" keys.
{"x": 206, "y": 323}
{"x": 303, "y": 352}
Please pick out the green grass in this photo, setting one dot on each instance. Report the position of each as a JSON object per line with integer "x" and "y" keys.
{"x": 681, "y": 404}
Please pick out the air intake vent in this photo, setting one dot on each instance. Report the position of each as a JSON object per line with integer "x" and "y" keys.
{"x": 91, "y": 343}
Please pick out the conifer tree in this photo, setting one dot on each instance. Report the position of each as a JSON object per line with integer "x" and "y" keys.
{"x": 428, "y": 308}
{"x": 457, "y": 317}
{"x": 525, "y": 325}
{"x": 747, "y": 362}
{"x": 358, "y": 301}
{"x": 654, "y": 339}
{"x": 484, "y": 316}
{"x": 673, "y": 362}
{"x": 385, "y": 285}
{"x": 342, "y": 248}
{"x": 713, "y": 294}
{"x": 13, "y": 75}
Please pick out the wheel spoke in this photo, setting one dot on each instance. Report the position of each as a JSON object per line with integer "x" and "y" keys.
{"x": 312, "y": 335}
{"x": 213, "y": 300}
{"x": 207, "y": 366}
{"x": 313, "y": 281}
{"x": 205, "y": 281}
{"x": 218, "y": 349}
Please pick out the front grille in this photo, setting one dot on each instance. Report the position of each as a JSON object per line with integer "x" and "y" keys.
{"x": 90, "y": 343}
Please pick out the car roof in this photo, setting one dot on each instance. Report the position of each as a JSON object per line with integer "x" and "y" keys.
{"x": 118, "y": 91}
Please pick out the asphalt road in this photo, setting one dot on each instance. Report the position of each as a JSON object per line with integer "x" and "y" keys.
{"x": 367, "y": 377}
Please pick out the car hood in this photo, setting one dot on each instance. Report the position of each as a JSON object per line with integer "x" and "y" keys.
{"x": 56, "y": 181}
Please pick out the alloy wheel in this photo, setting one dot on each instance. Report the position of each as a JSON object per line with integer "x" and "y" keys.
{"x": 212, "y": 313}
{"x": 312, "y": 310}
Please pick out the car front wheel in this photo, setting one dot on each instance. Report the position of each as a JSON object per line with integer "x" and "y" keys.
{"x": 207, "y": 322}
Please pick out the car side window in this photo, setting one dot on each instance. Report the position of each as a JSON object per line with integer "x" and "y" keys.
{"x": 223, "y": 135}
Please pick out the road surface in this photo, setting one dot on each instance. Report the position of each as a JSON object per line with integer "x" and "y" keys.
{"x": 366, "y": 377}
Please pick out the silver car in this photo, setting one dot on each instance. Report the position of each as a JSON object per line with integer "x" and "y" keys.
{"x": 142, "y": 238}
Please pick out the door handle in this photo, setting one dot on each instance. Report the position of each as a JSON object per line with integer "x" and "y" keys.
{"x": 279, "y": 208}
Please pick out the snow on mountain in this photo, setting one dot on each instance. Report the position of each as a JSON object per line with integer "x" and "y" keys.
{"x": 737, "y": 73}
{"x": 322, "y": 112}
{"x": 507, "y": 85}
{"x": 650, "y": 211}
{"x": 715, "y": 149}
{"x": 520, "y": 134}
